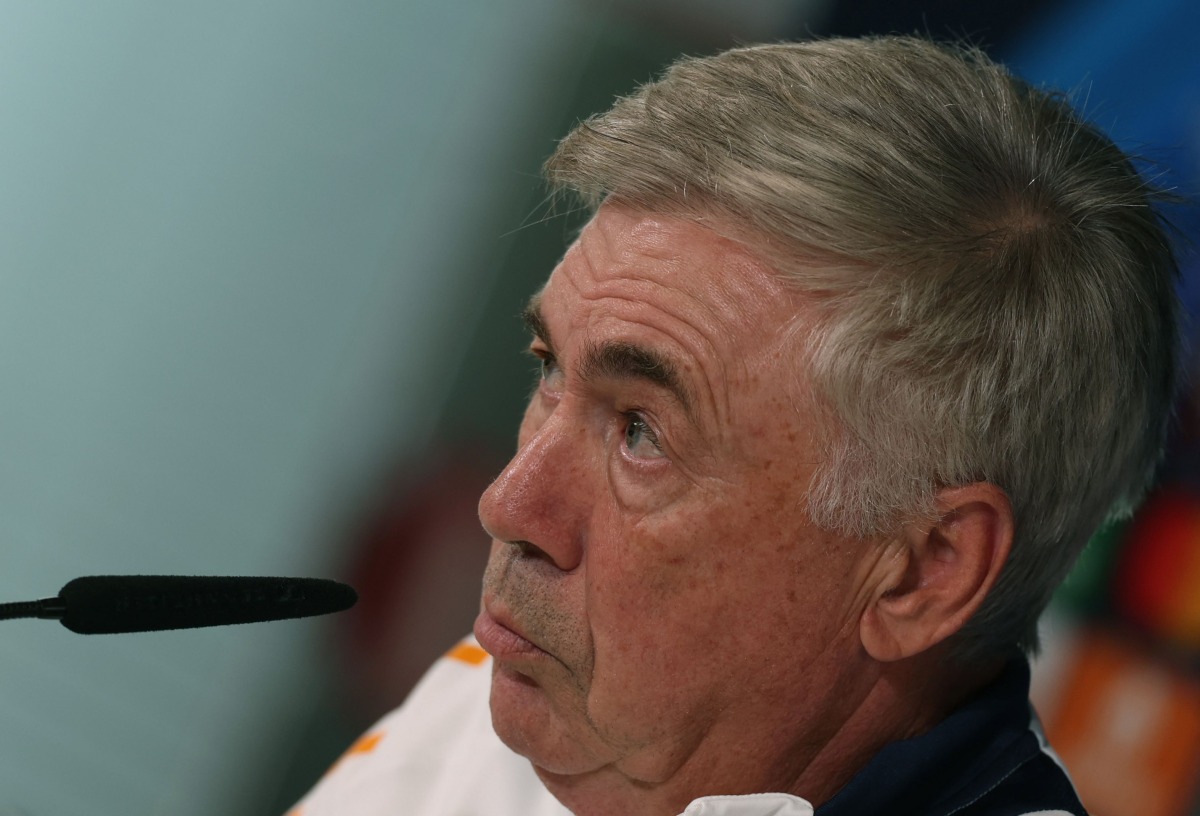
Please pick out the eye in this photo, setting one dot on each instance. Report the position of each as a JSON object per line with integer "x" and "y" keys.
{"x": 640, "y": 439}
{"x": 549, "y": 373}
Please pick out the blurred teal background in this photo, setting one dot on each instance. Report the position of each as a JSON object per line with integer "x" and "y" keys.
{"x": 242, "y": 245}
{"x": 259, "y": 268}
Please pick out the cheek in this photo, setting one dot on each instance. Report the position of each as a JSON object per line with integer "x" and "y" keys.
{"x": 673, "y": 643}
{"x": 718, "y": 587}
{"x": 660, "y": 595}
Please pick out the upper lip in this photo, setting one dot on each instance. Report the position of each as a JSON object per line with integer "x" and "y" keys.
{"x": 498, "y": 611}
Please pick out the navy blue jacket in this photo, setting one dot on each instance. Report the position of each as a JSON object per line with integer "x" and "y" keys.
{"x": 986, "y": 759}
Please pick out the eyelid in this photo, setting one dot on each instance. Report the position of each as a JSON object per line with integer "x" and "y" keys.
{"x": 549, "y": 374}
{"x": 540, "y": 351}
{"x": 544, "y": 356}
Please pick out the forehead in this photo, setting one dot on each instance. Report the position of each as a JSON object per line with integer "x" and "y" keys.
{"x": 705, "y": 304}
{"x": 632, "y": 270}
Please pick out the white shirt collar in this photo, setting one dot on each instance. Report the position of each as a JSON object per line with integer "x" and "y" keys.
{"x": 750, "y": 804}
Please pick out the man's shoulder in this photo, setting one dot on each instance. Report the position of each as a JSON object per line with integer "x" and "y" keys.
{"x": 1039, "y": 787}
{"x": 437, "y": 754}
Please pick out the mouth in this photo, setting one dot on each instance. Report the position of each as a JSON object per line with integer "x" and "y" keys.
{"x": 501, "y": 638}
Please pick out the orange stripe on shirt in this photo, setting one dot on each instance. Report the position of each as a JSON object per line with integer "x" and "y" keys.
{"x": 365, "y": 745}
{"x": 468, "y": 653}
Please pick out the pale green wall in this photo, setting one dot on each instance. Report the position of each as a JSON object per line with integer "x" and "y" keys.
{"x": 238, "y": 263}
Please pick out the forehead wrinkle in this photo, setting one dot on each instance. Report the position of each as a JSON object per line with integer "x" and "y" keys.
{"x": 730, "y": 302}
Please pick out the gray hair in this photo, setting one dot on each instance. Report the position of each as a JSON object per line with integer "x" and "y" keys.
{"x": 997, "y": 293}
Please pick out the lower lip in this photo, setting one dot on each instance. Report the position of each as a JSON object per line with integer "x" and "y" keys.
{"x": 501, "y": 642}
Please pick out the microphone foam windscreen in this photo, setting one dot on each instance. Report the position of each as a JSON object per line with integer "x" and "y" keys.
{"x": 106, "y": 604}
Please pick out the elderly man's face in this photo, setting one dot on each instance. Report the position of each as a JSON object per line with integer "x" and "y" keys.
{"x": 655, "y": 586}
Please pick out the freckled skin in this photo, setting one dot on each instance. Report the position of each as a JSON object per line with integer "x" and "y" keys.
{"x": 699, "y": 633}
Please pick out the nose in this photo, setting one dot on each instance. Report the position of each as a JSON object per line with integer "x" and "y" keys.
{"x": 539, "y": 501}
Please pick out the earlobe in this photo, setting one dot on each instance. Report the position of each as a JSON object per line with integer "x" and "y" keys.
{"x": 940, "y": 573}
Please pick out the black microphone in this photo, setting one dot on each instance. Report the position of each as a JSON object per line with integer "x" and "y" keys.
{"x": 107, "y": 604}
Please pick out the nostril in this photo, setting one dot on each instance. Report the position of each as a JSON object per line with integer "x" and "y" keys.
{"x": 528, "y": 549}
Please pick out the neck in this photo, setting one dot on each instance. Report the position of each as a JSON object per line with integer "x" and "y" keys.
{"x": 907, "y": 698}
{"x": 866, "y": 707}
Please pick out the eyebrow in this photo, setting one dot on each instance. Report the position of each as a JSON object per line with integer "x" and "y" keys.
{"x": 617, "y": 360}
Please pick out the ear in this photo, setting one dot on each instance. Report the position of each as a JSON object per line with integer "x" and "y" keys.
{"x": 940, "y": 572}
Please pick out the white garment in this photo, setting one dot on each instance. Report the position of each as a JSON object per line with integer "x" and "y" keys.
{"x": 437, "y": 755}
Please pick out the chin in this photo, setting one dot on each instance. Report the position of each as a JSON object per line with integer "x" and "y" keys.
{"x": 527, "y": 721}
